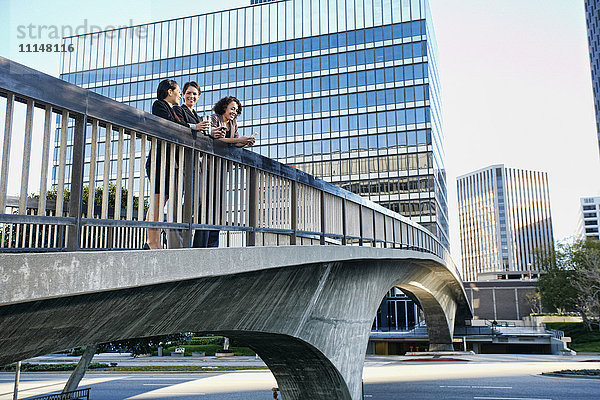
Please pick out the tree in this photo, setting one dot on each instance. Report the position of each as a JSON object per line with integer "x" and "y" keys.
{"x": 535, "y": 302}
{"x": 571, "y": 279}
{"x": 112, "y": 194}
{"x": 587, "y": 281}
{"x": 555, "y": 286}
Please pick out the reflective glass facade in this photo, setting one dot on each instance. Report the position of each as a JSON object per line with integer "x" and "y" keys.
{"x": 345, "y": 90}
{"x": 592, "y": 14}
{"x": 504, "y": 217}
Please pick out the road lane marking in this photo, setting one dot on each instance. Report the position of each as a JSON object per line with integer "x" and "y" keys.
{"x": 475, "y": 387}
{"x": 509, "y": 398}
{"x": 155, "y": 384}
{"x": 166, "y": 378}
{"x": 455, "y": 386}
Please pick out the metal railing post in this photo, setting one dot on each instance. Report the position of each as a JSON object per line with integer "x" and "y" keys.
{"x": 26, "y": 158}
{"x": 374, "y": 222}
{"x": 76, "y": 196}
{"x": 322, "y": 239}
{"x": 344, "y": 228}
{"x": 293, "y": 212}
{"x": 360, "y": 224}
{"x": 10, "y": 106}
{"x": 188, "y": 192}
{"x": 252, "y": 208}
{"x": 394, "y": 234}
{"x": 385, "y": 245}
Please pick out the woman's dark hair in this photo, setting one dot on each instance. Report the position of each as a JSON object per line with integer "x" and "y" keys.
{"x": 192, "y": 84}
{"x": 163, "y": 88}
{"x": 222, "y": 104}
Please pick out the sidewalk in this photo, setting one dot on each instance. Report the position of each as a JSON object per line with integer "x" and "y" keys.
{"x": 491, "y": 358}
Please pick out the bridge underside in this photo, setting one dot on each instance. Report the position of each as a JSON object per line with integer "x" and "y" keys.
{"x": 310, "y": 323}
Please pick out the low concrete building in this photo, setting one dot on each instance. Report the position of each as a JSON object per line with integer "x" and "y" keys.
{"x": 502, "y": 299}
{"x": 506, "y": 302}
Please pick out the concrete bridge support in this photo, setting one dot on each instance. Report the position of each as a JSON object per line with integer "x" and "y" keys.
{"x": 309, "y": 321}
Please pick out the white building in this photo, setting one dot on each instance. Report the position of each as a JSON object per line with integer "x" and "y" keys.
{"x": 589, "y": 218}
{"x": 504, "y": 217}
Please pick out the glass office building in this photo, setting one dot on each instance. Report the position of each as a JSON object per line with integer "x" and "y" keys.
{"x": 592, "y": 13}
{"x": 504, "y": 217}
{"x": 347, "y": 91}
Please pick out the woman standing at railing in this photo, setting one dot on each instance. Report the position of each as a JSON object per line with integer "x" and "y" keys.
{"x": 168, "y": 95}
{"x": 223, "y": 127}
{"x": 187, "y": 113}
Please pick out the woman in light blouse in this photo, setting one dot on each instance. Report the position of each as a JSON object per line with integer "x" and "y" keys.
{"x": 224, "y": 125}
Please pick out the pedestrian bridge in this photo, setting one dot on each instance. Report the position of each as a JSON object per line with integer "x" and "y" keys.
{"x": 303, "y": 267}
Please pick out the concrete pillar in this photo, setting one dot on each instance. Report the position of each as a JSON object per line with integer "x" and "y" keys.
{"x": 441, "y": 347}
{"x": 80, "y": 369}
{"x": 302, "y": 371}
{"x": 17, "y": 378}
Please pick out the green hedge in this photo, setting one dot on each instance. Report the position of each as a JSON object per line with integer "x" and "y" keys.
{"x": 556, "y": 314}
{"x": 582, "y": 340}
{"x": 204, "y": 340}
{"x": 586, "y": 372}
{"x": 77, "y": 352}
{"x": 25, "y": 367}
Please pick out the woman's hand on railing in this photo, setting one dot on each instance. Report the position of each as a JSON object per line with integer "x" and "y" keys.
{"x": 217, "y": 132}
{"x": 245, "y": 141}
{"x": 203, "y": 126}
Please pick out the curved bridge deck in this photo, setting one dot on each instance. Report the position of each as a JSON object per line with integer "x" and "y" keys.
{"x": 306, "y": 310}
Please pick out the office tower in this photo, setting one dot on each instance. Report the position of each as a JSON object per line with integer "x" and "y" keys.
{"x": 347, "y": 91}
{"x": 589, "y": 218}
{"x": 504, "y": 217}
{"x": 592, "y": 16}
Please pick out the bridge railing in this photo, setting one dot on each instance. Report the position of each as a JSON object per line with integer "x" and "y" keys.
{"x": 253, "y": 199}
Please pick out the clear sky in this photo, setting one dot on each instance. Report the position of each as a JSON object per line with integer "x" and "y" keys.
{"x": 515, "y": 79}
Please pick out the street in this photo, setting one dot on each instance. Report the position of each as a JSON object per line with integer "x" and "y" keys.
{"x": 482, "y": 377}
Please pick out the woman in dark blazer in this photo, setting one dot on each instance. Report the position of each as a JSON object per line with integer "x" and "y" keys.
{"x": 168, "y": 95}
{"x": 191, "y": 93}
{"x": 187, "y": 113}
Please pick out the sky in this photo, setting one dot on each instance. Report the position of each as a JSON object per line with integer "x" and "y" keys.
{"x": 515, "y": 75}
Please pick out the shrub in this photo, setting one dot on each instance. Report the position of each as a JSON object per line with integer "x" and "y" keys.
{"x": 27, "y": 367}
{"x": 582, "y": 340}
{"x": 204, "y": 340}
